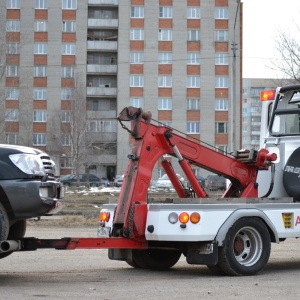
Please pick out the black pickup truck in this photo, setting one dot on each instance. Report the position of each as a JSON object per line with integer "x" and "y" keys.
{"x": 27, "y": 189}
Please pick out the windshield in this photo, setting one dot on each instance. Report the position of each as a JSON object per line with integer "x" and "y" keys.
{"x": 286, "y": 115}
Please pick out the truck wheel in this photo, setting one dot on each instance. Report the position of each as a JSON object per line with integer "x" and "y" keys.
{"x": 246, "y": 249}
{"x": 16, "y": 231}
{"x": 4, "y": 223}
{"x": 155, "y": 259}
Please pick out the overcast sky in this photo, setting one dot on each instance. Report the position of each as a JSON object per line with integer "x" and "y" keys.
{"x": 262, "y": 20}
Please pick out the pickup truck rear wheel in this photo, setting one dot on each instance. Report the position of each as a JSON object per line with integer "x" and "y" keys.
{"x": 16, "y": 231}
{"x": 155, "y": 259}
{"x": 246, "y": 249}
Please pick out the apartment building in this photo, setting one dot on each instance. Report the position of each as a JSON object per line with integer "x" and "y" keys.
{"x": 71, "y": 66}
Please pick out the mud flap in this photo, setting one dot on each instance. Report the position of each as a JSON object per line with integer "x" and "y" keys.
{"x": 203, "y": 254}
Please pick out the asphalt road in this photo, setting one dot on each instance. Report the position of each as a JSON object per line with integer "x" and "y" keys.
{"x": 89, "y": 274}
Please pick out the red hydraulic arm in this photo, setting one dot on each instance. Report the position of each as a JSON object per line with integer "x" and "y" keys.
{"x": 150, "y": 143}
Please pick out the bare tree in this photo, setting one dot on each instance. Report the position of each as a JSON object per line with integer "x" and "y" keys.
{"x": 288, "y": 48}
{"x": 75, "y": 130}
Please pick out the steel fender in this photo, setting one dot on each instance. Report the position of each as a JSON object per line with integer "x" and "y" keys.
{"x": 241, "y": 213}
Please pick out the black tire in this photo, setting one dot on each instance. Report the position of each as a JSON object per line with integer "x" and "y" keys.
{"x": 246, "y": 249}
{"x": 154, "y": 259}
{"x": 4, "y": 223}
{"x": 216, "y": 269}
{"x": 16, "y": 231}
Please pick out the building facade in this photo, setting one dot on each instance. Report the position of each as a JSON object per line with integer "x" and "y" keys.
{"x": 181, "y": 60}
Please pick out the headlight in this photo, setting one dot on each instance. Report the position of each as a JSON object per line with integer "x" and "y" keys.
{"x": 28, "y": 163}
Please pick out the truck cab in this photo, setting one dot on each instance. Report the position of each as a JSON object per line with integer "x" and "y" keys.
{"x": 280, "y": 134}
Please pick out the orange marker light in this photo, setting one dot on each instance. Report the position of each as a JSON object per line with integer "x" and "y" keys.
{"x": 195, "y": 217}
{"x": 104, "y": 216}
{"x": 184, "y": 217}
{"x": 267, "y": 95}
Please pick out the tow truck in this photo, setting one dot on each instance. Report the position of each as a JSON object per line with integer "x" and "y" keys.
{"x": 231, "y": 234}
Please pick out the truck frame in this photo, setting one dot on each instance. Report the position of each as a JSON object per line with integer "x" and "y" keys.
{"x": 231, "y": 234}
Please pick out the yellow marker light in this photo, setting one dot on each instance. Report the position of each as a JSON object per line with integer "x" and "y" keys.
{"x": 184, "y": 217}
{"x": 195, "y": 217}
{"x": 104, "y": 216}
{"x": 267, "y": 95}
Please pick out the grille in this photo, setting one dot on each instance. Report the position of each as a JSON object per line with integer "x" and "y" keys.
{"x": 48, "y": 163}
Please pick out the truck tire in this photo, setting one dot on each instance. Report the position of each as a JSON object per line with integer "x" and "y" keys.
{"x": 155, "y": 259}
{"x": 4, "y": 223}
{"x": 16, "y": 231}
{"x": 246, "y": 248}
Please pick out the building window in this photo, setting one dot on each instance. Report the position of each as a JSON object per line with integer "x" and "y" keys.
{"x": 165, "y": 12}
{"x": 193, "y": 13}
{"x": 68, "y": 26}
{"x": 13, "y": 4}
{"x": 137, "y": 12}
{"x": 221, "y": 82}
{"x": 39, "y": 139}
{"x": 68, "y": 49}
{"x": 39, "y": 116}
{"x": 164, "y": 104}
{"x": 221, "y": 127}
{"x": 221, "y": 35}
{"x": 69, "y": 4}
{"x": 41, "y": 4}
{"x": 12, "y": 71}
{"x": 193, "y": 127}
{"x": 165, "y": 81}
{"x": 66, "y": 162}
{"x": 222, "y": 148}
{"x": 165, "y": 34}
{"x": 11, "y": 138}
{"x": 221, "y": 13}
{"x": 40, "y": 48}
{"x": 193, "y": 58}
{"x": 166, "y": 123}
{"x": 193, "y": 104}
{"x": 12, "y": 115}
{"x": 136, "y": 57}
{"x": 137, "y": 102}
{"x": 67, "y": 72}
{"x": 13, "y": 48}
{"x": 221, "y": 59}
{"x": 165, "y": 58}
{"x": 66, "y": 139}
{"x": 40, "y": 26}
{"x": 244, "y": 129}
{"x": 65, "y": 116}
{"x": 193, "y": 35}
{"x": 221, "y": 104}
{"x": 137, "y": 34}
{"x": 12, "y": 94}
{"x": 66, "y": 94}
{"x": 13, "y": 26}
{"x": 102, "y": 126}
{"x": 136, "y": 80}
{"x": 193, "y": 81}
{"x": 40, "y": 94}
{"x": 40, "y": 71}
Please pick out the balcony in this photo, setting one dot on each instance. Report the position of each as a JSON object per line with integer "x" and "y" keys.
{"x": 103, "y": 2}
{"x": 103, "y": 159}
{"x": 110, "y": 114}
{"x": 102, "y": 45}
{"x": 104, "y": 69}
{"x": 103, "y": 23}
{"x": 101, "y": 91}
